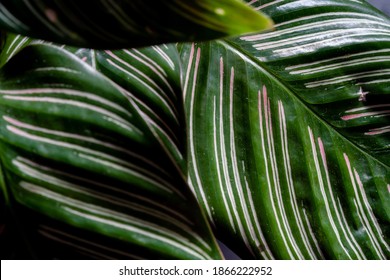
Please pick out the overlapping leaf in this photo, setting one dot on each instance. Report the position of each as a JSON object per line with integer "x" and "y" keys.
{"x": 288, "y": 140}
{"x": 147, "y": 76}
{"x": 76, "y": 147}
{"x": 282, "y": 168}
{"x": 129, "y": 23}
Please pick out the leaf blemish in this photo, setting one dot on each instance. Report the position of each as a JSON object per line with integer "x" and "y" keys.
{"x": 51, "y": 15}
{"x": 362, "y": 95}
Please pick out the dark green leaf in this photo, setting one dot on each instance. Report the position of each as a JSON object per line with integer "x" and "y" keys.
{"x": 129, "y": 23}
{"x": 75, "y": 147}
{"x": 285, "y": 170}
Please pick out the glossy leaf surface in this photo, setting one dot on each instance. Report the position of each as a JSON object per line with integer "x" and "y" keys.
{"x": 77, "y": 148}
{"x": 288, "y": 153}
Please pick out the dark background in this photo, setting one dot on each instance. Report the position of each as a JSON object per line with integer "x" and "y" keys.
{"x": 383, "y": 5}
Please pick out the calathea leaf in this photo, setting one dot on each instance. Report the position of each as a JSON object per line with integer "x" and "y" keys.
{"x": 129, "y": 23}
{"x": 11, "y": 44}
{"x": 335, "y": 57}
{"x": 146, "y": 75}
{"x": 280, "y": 167}
{"x": 76, "y": 148}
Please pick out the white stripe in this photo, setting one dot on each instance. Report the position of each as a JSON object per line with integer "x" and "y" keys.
{"x": 356, "y": 245}
{"x": 344, "y": 57}
{"x": 365, "y": 223}
{"x": 191, "y": 58}
{"x": 16, "y": 49}
{"x": 119, "y": 190}
{"x": 268, "y": 4}
{"x": 364, "y": 108}
{"x": 150, "y": 115}
{"x": 312, "y": 235}
{"x": 319, "y": 37}
{"x": 164, "y": 56}
{"x": 57, "y": 182}
{"x": 194, "y": 164}
{"x": 341, "y": 65}
{"x": 147, "y": 176}
{"x": 157, "y": 71}
{"x": 16, "y": 39}
{"x": 216, "y": 148}
{"x": 266, "y": 253}
{"x": 170, "y": 107}
{"x": 150, "y": 61}
{"x": 59, "y": 69}
{"x": 290, "y": 181}
{"x": 378, "y": 131}
{"x": 236, "y": 175}
{"x": 319, "y": 25}
{"x": 362, "y": 204}
{"x": 117, "y": 219}
{"x": 140, "y": 73}
{"x": 377, "y": 81}
{"x": 124, "y": 123}
{"x": 347, "y": 78}
{"x": 163, "y": 185}
{"x": 269, "y": 185}
{"x": 79, "y": 137}
{"x": 338, "y": 209}
{"x": 173, "y": 147}
{"x": 136, "y": 230}
{"x": 316, "y": 44}
{"x": 275, "y": 173}
{"x": 323, "y": 193}
{"x": 70, "y": 92}
{"x": 332, "y": 14}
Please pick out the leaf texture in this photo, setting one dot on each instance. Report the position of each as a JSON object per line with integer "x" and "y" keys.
{"x": 76, "y": 147}
{"x": 129, "y": 23}
{"x": 334, "y": 55}
{"x": 277, "y": 165}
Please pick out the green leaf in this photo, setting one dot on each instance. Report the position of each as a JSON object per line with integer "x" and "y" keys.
{"x": 130, "y": 23}
{"x": 151, "y": 77}
{"x": 285, "y": 170}
{"x": 11, "y": 44}
{"x": 77, "y": 148}
{"x": 336, "y": 62}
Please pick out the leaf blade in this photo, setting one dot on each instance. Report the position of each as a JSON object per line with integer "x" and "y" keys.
{"x": 254, "y": 134}
{"x": 130, "y": 23}
{"x": 97, "y": 165}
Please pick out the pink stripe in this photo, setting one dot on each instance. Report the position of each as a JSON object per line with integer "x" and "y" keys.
{"x": 370, "y": 114}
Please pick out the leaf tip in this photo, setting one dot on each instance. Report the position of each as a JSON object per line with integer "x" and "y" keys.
{"x": 242, "y": 18}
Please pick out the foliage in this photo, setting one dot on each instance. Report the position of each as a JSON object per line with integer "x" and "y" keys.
{"x": 282, "y": 136}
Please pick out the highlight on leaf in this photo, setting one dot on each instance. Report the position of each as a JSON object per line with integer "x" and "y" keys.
{"x": 130, "y": 23}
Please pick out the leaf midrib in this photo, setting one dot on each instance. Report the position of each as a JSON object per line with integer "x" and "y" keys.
{"x": 265, "y": 69}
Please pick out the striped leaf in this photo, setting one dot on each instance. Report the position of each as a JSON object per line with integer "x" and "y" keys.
{"x": 145, "y": 74}
{"x": 151, "y": 77}
{"x": 288, "y": 134}
{"x": 129, "y": 23}
{"x": 11, "y": 44}
{"x": 96, "y": 156}
{"x": 335, "y": 56}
